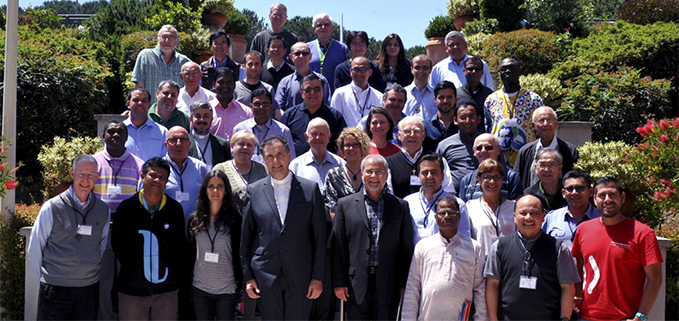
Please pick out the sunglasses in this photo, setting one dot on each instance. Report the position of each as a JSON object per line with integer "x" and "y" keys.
{"x": 487, "y": 147}
{"x": 579, "y": 188}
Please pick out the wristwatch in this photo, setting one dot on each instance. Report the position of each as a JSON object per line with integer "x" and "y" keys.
{"x": 641, "y": 316}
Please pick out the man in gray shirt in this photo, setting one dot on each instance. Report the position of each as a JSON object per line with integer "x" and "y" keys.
{"x": 278, "y": 14}
{"x": 458, "y": 149}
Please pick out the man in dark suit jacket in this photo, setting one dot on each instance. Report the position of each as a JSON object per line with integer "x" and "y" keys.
{"x": 545, "y": 122}
{"x": 283, "y": 240}
{"x": 372, "y": 247}
{"x": 209, "y": 148}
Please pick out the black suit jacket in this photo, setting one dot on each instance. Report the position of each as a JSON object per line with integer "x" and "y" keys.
{"x": 221, "y": 150}
{"x": 401, "y": 170}
{"x": 298, "y": 247}
{"x": 351, "y": 241}
{"x": 528, "y": 152}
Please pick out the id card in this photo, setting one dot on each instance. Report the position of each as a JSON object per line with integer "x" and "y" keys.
{"x": 528, "y": 282}
{"x": 114, "y": 190}
{"x": 181, "y": 196}
{"x": 211, "y": 257}
{"x": 414, "y": 180}
{"x": 510, "y": 122}
{"x": 85, "y": 230}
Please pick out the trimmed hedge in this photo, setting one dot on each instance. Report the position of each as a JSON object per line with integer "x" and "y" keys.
{"x": 536, "y": 50}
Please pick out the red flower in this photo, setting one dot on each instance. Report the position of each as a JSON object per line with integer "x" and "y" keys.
{"x": 643, "y": 131}
{"x": 11, "y": 184}
{"x": 664, "y": 124}
{"x": 675, "y": 123}
{"x": 664, "y": 138}
{"x": 3, "y": 166}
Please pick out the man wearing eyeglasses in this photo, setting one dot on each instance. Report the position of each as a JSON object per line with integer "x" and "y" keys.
{"x": 205, "y": 146}
{"x": 446, "y": 273}
{"x": 313, "y": 105}
{"x": 563, "y": 222}
{"x": 458, "y": 149}
{"x": 262, "y": 124}
{"x": 278, "y": 15}
{"x": 545, "y": 122}
{"x": 488, "y": 146}
{"x": 288, "y": 92}
{"x": 252, "y": 63}
{"x": 355, "y": 99}
{"x": 327, "y": 52}
{"x": 451, "y": 68}
{"x": 278, "y": 65}
{"x": 548, "y": 165}
{"x": 473, "y": 89}
{"x": 160, "y": 63}
{"x": 420, "y": 93}
{"x": 164, "y": 111}
{"x": 186, "y": 173}
{"x": 192, "y": 90}
{"x": 358, "y": 42}
{"x": 536, "y": 271}
{"x": 372, "y": 246}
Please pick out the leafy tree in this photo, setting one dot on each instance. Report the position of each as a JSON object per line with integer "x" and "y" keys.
{"x": 302, "y": 27}
{"x": 257, "y": 24}
{"x": 68, "y": 7}
{"x": 414, "y": 51}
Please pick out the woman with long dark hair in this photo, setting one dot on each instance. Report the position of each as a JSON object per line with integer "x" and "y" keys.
{"x": 214, "y": 232}
{"x": 394, "y": 65}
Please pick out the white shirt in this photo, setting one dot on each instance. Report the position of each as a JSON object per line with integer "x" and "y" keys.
{"x": 184, "y": 100}
{"x": 485, "y": 226}
{"x": 420, "y": 103}
{"x": 354, "y": 103}
{"x": 281, "y": 192}
{"x": 444, "y": 274}
{"x": 423, "y": 213}
{"x": 308, "y": 167}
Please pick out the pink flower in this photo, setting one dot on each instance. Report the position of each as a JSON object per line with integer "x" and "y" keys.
{"x": 3, "y": 166}
{"x": 660, "y": 195}
{"x": 11, "y": 184}
{"x": 664, "y": 138}
{"x": 675, "y": 123}
{"x": 664, "y": 124}
{"x": 643, "y": 131}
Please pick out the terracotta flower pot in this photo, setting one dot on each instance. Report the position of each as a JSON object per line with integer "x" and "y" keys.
{"x": 238, "y": 47}
{"x": 436, "y": 49}
{"x": 203, "y": 56}
{"x": 214, "y": 19}
{"x": 462, "y": 19}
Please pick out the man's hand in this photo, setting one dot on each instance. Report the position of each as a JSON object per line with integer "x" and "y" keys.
{"x": 252, "y": 289}
{"x": 315, "y": 289}
{"x": 342, "y": 293}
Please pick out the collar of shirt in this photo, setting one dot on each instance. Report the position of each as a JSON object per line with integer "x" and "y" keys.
{"x": 427, "y": 88}
{"x": 412, "y": 160}
{"x": 82, "y": 205}
{"x": 184, "y": 95}
{"x": 426, "y": 203}
{"x": 451, "y": 241}
{"x": 148, "y": 122}
{"x": 367, "y": 198}
{"x": 122, "y": 157}
{"x": 201, "y": 138}
{"x": 265, "y": 127}
{"x": 552, "y": 145}
{"x": 461, "y": 65}
{"x": 184, "y": 164}
{"x": 160, "y": 55}
{"x": 270, "y": 65}
{"x": 310, "y": 159}
{"x": 286, "y": 182}
{"x": 528, "y": 243}
{"x": 360, "y": 93}
{"x": 587, "y": 215}
{"x": 214, "y": 62}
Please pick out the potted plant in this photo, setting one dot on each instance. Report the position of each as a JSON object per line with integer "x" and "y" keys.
{"x": 237, "y": 27}
{"x": 438, "y": 28}
{"x": 215, "y": 12}
{"x": 201, "y": 45}
{"x": 462, "y": 11}
{"x": 57, "y": 160}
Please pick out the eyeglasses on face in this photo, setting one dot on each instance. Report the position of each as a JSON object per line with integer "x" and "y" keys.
{"x": 486, "y": 147}
{"x": 309, "y": 90}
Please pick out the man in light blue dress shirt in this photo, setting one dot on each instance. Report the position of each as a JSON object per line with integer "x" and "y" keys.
{"x": 452, "y": 68}
{"x": 144, "y": 136}
{"x": 315, "y": 164}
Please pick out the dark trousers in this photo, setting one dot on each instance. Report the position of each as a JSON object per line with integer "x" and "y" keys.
{"x": 324, "y": 307}
{"x": 370, "y": 308}
{"x": 281, "y": 302}
{"x": 208, "y": 306}
{"x": 68, "y": 303}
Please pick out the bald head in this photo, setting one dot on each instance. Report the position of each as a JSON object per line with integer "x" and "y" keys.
{"x": 191, "y": 76}
{"x": 177, "y": 144}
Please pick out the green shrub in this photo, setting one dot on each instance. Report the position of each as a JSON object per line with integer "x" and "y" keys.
{"x": 507, "y": 12}
{"x": 135, "y": 42}
{"x": 597, "y": 159}
{"x": 475, "y": 44}
{"x": 649, "y": 11}
{"x": 550, "y": 90}
{"x": 41, "y": 19}
{"x": 57, "y": 159}
{"x": 617, "y": 103}
{"x": 652, "y": 49}
{"x": 168, "y": 12}
{"x": 440, "y": 26}
{"x": 237, "y": 24}
{"x": 574, "y": 16}
{"x": 12, "y": 261}
{"x": 483, "y": 25}
{"x": 459, "y": 7}
{"x": 535, "y": 50}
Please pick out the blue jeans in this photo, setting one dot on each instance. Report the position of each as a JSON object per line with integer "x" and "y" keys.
{"x": 208, "y": 306}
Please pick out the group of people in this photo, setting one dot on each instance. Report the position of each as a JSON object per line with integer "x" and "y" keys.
{"x": 308, "y": 174}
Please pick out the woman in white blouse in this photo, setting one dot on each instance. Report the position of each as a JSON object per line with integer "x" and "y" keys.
{"x": 491, "y": 215}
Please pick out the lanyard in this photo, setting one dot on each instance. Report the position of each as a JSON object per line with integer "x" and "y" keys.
{"x": 258, "y": 138}
{"x": 428, "y": 208}
{"x": 181, "y": 182}
{"x": 90, "y": 206}
{"x": 115, "y": 172}
{"x": 525, "y": 254}
{"x": 321, "y": 55}
{"x": 212, "y": 239}
{"x": 420, "y": 102}
{"x": 202, "y": 150}
{"x": 365, "y": 103}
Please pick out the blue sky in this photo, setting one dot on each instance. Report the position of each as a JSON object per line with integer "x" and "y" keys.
{"x": 377, "y": 17}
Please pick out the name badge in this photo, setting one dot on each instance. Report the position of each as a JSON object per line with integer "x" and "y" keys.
{"x": 114, "y": 190}
{"x": 510, "y": 122}
{"x": 181, "y": 197}
{"x": 414, "y": 180}
{"x": 211, "y": 257}
{"x": 528, "y": 282}
{"x": 85, "y": 230}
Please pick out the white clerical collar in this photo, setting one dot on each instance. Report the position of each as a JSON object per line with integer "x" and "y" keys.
{"x": 284, "y": 181}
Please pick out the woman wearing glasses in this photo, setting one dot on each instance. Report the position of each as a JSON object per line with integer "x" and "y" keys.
{"x": 491, "y": 215}
{"x": 380, "y": 128}
{"x": 214, "y": 233}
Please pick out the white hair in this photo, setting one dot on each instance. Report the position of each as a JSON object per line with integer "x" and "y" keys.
{"x": 547, "y": 108}
{"x": 320, "y": 16}
{"x": 317, "y": 121}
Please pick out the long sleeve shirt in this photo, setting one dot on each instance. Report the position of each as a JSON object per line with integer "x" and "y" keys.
{"x": 444, "y": 274}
